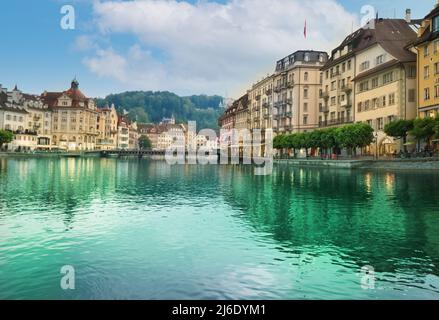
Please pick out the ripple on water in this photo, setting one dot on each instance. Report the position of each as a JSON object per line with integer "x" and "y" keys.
{"x": 139, "y": 229}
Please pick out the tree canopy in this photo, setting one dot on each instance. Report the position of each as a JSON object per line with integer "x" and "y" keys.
{"x": 5, "y": 137}
{"x": 350, "y": 136}
{"x": 399, "y": 129}
{"x": 145, "y": 143}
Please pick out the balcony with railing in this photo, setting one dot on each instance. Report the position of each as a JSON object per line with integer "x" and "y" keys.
{"x": 325, "y": 95}
{"x": 289, "y": 114}
{"x": 324, "y": 109}
{"x": 346, "y": 103}
{"x": 336, "y": 122}
{"x": 347, "y": 88}
{"x": 289, "y": 101}
{"x": 335, "y": 74}
{"x": 290, "y": 84}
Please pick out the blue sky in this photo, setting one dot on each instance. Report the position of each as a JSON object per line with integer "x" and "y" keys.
{"x": 180, "y": 50}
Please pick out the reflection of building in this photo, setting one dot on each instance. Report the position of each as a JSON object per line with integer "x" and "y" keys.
{"x": 385, "y": 89}
{"x": 107, "y": 129}
{"x": 74, "y": 118}
{"x": 427, "y": 46}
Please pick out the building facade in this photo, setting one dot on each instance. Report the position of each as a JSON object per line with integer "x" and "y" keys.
{"x": 74, "y": 119}
{"x": 27, "y": 117}
{"x": 385, "y": 89}
{"x": 427, "y": 48}
{"x": 297, "y": 91}
{"x": 107, "y": 129}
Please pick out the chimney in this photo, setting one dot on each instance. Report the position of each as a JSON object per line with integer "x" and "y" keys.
{"x": 408, "y": 15}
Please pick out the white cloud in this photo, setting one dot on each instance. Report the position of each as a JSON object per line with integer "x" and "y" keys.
{"x": 210, "y": 47}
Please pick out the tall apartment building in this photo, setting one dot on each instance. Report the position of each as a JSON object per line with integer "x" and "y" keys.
{"x": 74, "y": 118}
{"x": 337, "y": 87}
{"x": 260, "y": 100}
{"x": 107, "y": 128}
{"x": 385, "y": 84}
{"x": 427, "y": 47}
{"x": 297, "y": 91}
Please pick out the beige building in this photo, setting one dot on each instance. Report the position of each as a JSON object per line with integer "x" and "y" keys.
{"x": 27, "y": 117}
{"x": 107, "y": 129}
{"x": 260, "y": 104}
{"x": 297, "y": 91}
{"x": 133, "y": 137}
{"x": 337, "y": 86}
{"x": 163, "y": 136}
{"x": 385, "y": 88}
{"x": 74, "y": 119}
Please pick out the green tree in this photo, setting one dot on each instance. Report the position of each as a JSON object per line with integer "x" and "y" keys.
{"x": 328, "y": 139}
{"x": 363, "y": 134}
{"x": 424, "y": 129}
{"x": 399, "y": 129}
{"x": 5, "y": 137}
{"x": 353, "y": 136}
{"x": 145, "y": 143}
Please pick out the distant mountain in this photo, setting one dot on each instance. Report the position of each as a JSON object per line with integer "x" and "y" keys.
{"x": 148, "y": 106}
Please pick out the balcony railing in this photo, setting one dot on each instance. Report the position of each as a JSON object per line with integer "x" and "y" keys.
{"x": 290, "y": 84}
{"x": 289, "y": 114}
{"x": 324, "y": 109}
{"x": 335, "y": 122}
{"x": 347, "y": 88}
{"x": 346, "y": 104}
{"x": 289, "y": 101}
{"x": 335, "y": 74}
{"x": 325, "y": 95}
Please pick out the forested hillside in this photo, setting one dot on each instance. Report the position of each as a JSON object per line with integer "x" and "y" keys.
{"x": 154, "y": 106}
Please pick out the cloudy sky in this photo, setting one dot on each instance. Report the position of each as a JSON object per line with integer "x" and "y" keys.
{"x": 188, "y": 47}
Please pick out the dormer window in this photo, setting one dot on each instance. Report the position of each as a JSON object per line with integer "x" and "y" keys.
{"x": 380, "y": 60}
{"x": 436, "y": 24}
{"x": 306, "y": 57}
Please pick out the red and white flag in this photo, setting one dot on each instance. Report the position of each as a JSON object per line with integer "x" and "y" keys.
{"x": 304, "y": 30}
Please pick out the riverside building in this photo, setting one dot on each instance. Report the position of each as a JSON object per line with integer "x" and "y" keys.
{"x": 385, "y": 84}
{"x": 427, "y": 49}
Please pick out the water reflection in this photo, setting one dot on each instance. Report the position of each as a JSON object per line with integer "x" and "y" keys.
{"x": 381, "y": 219}
{"x": 214, "y": 231}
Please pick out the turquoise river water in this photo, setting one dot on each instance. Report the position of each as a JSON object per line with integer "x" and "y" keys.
{"x": 135, "y": 229}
